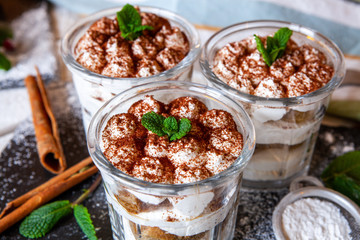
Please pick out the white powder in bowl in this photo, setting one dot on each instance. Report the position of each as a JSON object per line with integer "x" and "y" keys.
{"x": 311, "y": 218}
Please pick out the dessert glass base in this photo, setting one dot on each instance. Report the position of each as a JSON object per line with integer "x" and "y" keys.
{"x": 203, "y": 209}
{"x": 216, "y": 223}
{"x": 286, "y": 128}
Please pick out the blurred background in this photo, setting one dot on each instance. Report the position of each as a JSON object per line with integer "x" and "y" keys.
{"x": 337, "y": 19}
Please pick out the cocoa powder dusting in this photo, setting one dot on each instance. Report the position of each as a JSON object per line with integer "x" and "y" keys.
{"x": 301, "y": 70}
{"x": 103, "y": 50}
{"x": 142, "y": 154}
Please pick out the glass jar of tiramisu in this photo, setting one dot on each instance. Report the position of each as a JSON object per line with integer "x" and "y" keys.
{"x": 158, "y": 187}
{"x": 286, "y": 99}
{"x": 104, "y": 62}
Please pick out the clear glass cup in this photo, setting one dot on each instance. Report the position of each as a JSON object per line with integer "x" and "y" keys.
{"x": 94, "y": 89}
{"x": 143, "y": 210}
{"x": 286, "y": 128}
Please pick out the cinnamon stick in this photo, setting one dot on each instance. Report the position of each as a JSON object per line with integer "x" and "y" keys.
{"x": 44, "y": 193}
{"x": 47, "y": 136}
{"x": 69, "y": 172}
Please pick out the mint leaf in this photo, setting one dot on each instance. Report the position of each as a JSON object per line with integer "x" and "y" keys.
{"x": 83, "y": 218}
{"x": 129, "y": 21}
{"x": 263, "y": 51}
{"x": 184, "y": 128}
{"x": 275, "y": 45}
{"x": 343, "y": 175}
{"x": 348, "y": 164}
{"x": 130, "y": 35}
{"x": 270, "y": 44}
{"x": 5, "y": 64}
{"x": 170, "y": 126}
{"x": 282, "y": 36}
{"x": 142, "y": 28}
{"x": 346, "y": 186}
{"x": 153, "y": 122}
{"x": 43, "y": 219}
{"x": 161, "y": 126}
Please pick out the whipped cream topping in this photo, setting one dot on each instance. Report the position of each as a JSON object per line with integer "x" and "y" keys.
{"x": 185, "y": 205}
{"x": 120, "y": 126}
{"x": 301, "y": 70}
{"x": 152, "y": 170}
{"x": 211, "y": 146}
{"x": 217, "y": 161}
{"x": 103, "y": 50}
{"x": 148, "y": 104}
{"x": 156, "y": 146}
{"x": 186, "y": 174}
{"x": 187, "y": 107}
{"x": 217, "y": 119}
{"x": 187, "y": 150}
{"x": 227, "y": 140}
{"x": 123, "y": 153}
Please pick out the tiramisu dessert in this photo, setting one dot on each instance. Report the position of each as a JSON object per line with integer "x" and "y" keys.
{"x": 173, "y": 144}
{"x": 127, "y": 48}
{"x": 108, "y": 49}
{"x": 299, "y": 71}
{"x": 274, "y": 78}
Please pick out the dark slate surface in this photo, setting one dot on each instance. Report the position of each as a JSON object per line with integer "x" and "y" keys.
{"x": 20, "y": 171}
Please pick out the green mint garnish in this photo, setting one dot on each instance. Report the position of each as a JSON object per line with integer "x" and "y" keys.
{"x": 275, "y": 45}
{"x": 170, "y": 126}
{"x": 129, "y": 21}
{"x": 43, "y": 219}
{"x": 153, "y": 122}
{"x": 161, "y": 126}
{"x": 82, "y": 217}
{"x": 5, "y": 64}
{"x": 343, "y": 175}
{"x": 184, "y": 128}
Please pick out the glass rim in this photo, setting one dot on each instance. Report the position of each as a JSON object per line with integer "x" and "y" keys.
{"x": 323, "y": 92}
{"x": 68, "y": 54}
{"x": 94, "y": 132}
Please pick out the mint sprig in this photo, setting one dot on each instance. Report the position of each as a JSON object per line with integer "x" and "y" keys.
{"x": 275, "y": 45}
{"x": 162, "y": 126}
{"x": 153, "y": 122}
{"x": 43, "y": 219}
{"x": 184, "y": 128}
{"x": 83, "y": 218}
{"x": 129, "y": 21}
{"x": 343, "y": 175}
